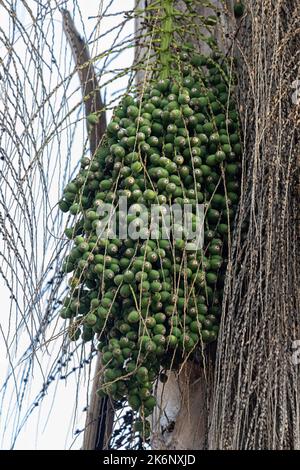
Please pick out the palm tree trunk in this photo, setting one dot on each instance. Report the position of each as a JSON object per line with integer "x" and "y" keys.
{"x": 99, "y": 419}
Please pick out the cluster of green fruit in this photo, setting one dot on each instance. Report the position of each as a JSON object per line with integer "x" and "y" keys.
{"x": 152, "y": 302}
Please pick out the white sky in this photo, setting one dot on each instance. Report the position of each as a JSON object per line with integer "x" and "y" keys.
{"x": 55, "y": 429}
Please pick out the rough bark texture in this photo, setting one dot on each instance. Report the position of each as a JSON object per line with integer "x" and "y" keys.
{"x": 256, "y": 396}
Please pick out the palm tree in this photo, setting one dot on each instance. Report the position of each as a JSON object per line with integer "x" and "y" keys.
{"x": 240, "y": 392}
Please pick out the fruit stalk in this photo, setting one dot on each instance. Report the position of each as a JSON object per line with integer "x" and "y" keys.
{"x": 166, "y": 37}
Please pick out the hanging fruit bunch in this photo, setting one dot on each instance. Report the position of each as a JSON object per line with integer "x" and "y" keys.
{"x": 153, "y": 302}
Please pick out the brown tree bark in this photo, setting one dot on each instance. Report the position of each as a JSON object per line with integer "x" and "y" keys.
{"x": 100, "y": 417}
